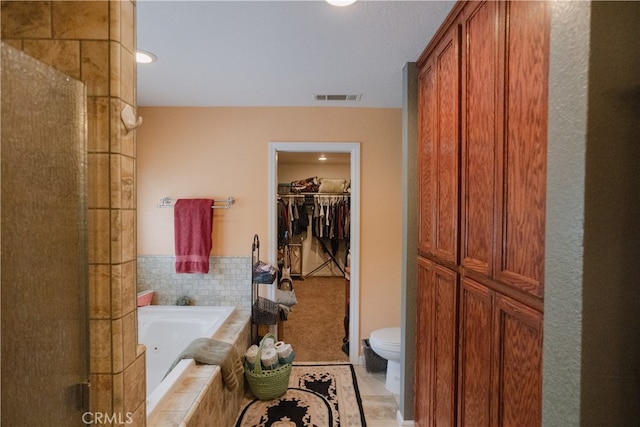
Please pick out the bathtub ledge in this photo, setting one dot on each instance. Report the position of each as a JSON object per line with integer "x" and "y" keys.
{"x": 201, "y": 395}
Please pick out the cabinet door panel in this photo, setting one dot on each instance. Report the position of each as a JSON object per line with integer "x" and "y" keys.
{"x": 479, "y": 127}
{"x": 435, "y": 345}
{"x": 427, "y": 120}
{"x": 517, "y": 364}
{"x": 438, "y": 138}
{"x": 474, "y": 368}
{"x": 523, "y": 177}
{"x": 447, "y": 154}
{"x": 425, "y": 301}
{"x": 445, "y": 282}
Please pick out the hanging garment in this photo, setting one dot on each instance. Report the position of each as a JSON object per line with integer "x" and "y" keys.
{"x": 283, "y": 220}
{"x": 331, "y": 217}
{"x": 293, "y": 218}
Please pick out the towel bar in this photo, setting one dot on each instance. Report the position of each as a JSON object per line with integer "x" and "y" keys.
{"x": 166, "y": 202}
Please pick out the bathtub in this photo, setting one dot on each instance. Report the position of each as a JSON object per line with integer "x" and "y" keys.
{"x": 166, "y": 330}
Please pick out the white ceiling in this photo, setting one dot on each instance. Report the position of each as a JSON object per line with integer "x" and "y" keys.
{"x": 280, "y": 53}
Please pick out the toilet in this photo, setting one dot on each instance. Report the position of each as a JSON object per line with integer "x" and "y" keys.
{"x": 386, "y": 343}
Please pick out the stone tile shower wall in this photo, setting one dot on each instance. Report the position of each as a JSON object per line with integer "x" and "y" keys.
{"x": 94, "y": 42}
{"x": 228, "y": 282}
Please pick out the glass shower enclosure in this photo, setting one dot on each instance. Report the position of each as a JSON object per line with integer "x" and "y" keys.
{"x": 43, "y": 266}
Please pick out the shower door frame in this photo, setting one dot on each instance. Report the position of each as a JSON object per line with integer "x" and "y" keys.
{"x": 352, "y": 148}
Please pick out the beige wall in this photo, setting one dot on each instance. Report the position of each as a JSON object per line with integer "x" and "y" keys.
{"x": 220, "y": 152}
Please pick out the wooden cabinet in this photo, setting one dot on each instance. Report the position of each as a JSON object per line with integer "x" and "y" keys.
{"x": 480, "y": 133}
{"x": 504, "y": 126}
{"x": 438, "y": 181}
{"x": 522, "y": 164}
{"x": 516, "y": 364}
{"x": 436, "y": 346}
{"x": 499, "y": 359}
{"x": 482, "y": 171}
{"x": 474, "y": 367}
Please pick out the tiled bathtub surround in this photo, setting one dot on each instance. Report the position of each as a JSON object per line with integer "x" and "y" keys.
{"x": 201, "y": 399}
{"x": 228, "y": 282}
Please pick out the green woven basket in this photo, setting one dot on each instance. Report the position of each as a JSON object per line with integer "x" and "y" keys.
{"x": 267, "y": 384}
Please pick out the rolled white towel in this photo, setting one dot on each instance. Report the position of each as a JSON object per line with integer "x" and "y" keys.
{"x": 251, "y": 355}
{"x": 283, "y": 349}
{"x": 285, "y": 352}
{"x": 268, "y": 343}
{"x": 269, "y": 358}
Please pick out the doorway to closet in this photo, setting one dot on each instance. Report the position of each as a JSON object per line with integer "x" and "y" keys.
{"x": 318, "y": 259}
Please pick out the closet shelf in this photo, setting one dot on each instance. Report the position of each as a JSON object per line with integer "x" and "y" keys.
{"x": 313, "y": 194}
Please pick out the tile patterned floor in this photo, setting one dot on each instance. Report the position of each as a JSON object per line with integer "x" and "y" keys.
{"x": 380, "y": 406}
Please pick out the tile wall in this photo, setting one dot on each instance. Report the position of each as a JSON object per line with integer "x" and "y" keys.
{"x": 228, "y": 282}
{"x": 94, "y": 42}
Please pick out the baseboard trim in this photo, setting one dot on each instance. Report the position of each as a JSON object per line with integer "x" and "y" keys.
{"x": 402, "y": 422}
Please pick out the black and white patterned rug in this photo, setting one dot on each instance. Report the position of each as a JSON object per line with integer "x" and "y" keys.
{"x": 319, "y": 395}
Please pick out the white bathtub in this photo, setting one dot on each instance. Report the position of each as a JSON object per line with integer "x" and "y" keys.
{"x": 166, "y": 330}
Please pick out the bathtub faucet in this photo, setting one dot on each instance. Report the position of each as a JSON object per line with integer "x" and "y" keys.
{"x": 185, "y": 300}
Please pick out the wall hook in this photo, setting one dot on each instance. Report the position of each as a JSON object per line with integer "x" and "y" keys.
{"x": 129, "y": 119}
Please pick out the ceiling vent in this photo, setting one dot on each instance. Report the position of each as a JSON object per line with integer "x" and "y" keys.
{"x": 338, "y": 97}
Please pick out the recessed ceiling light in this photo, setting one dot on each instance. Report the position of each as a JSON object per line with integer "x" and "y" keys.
{"x": 322, "y": 157}
{"x": 340, "y": 2}
{"x": 144, "y": 57}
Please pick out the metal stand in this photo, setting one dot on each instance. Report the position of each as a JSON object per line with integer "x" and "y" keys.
{"x": 331, "y": 258}
{"x": 263, "y": 311}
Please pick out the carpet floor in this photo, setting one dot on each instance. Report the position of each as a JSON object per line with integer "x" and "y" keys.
{"x": 315, "y": 326}
{"x": 319, "y": 395}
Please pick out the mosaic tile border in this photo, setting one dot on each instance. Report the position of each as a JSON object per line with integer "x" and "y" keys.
{"x": 228, "y": 282}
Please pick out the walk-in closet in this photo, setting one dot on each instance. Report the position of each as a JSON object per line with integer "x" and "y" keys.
{"x": 314, "y": 218}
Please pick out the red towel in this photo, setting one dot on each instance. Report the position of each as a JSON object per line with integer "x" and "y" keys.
{"x": 192, "y": 227}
